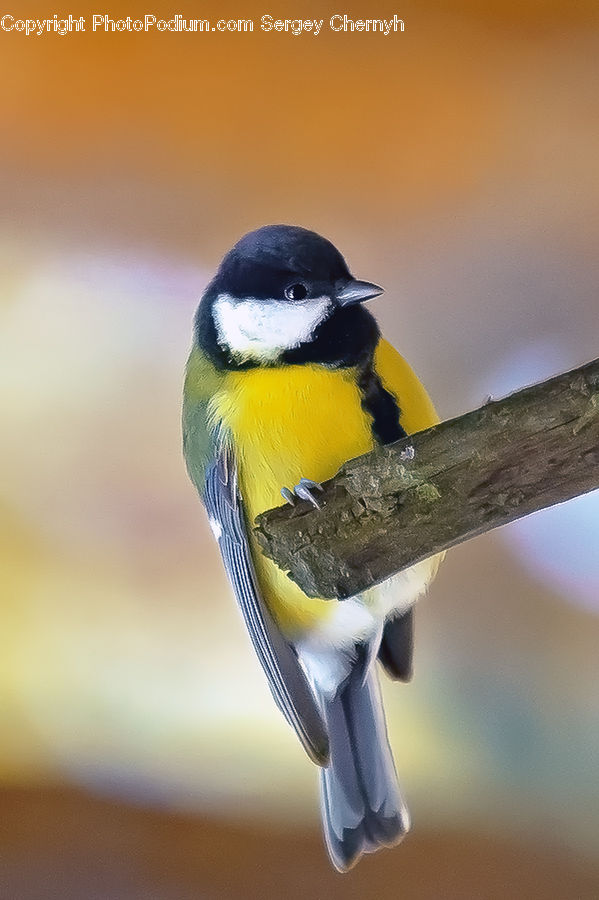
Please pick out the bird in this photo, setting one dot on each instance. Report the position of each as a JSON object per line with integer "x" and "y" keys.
{"x": 287, "y": 379}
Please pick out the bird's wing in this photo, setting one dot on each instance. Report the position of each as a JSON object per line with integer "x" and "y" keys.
{"x": 397, "y": 647}
{"x": 286, "y": 679}
{"x": 211, "y": 466}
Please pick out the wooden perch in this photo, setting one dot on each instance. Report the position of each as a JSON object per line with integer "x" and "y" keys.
{"x": 385, "y": 511}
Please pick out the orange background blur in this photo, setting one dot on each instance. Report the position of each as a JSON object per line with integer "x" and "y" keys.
{"x": 456, "y": 164}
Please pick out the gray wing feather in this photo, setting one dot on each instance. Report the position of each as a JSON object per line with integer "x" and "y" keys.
{"x": 286, "y": 679}
{"x": 397, "y": 647}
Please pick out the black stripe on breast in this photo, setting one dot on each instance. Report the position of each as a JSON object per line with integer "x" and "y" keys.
{"x": 380, "y": 405}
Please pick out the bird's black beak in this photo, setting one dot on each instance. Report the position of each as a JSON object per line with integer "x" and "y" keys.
{"x": 357, "y": 292}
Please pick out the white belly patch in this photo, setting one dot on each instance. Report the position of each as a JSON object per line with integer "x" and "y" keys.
{"x": 327, "y": 652}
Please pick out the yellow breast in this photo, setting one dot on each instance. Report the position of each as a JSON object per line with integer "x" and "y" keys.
{"x": 288, "y": 423}
{"x": 303, "y": 421}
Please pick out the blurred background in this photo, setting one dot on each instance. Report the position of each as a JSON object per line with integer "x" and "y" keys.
{"x": 141, "y": 755}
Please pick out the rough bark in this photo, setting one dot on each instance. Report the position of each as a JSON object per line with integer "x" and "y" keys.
{"x": 384, "y": 511}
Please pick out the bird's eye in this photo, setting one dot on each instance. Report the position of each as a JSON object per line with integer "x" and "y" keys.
{"x": 296, "y": 291}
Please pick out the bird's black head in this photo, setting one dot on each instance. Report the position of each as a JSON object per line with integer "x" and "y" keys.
{"x": 285, "y": 295}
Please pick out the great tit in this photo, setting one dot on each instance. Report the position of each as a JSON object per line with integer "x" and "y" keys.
{"x": 288, "y": 378}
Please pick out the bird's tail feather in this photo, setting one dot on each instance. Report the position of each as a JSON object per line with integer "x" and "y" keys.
{"x": 362, "y": 805}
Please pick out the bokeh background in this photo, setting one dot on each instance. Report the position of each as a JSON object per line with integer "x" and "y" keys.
{"x": 456, "y": 164}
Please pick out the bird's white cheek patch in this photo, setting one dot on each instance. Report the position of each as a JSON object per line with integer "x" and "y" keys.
{"x": 265, "y": 328}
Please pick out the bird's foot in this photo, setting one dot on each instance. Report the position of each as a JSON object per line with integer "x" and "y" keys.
{"x": 303, "y": 490}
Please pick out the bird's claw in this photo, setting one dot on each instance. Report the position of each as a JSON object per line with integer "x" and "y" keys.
{"x": 303, "y": 490}
{"x": 288, "y": 496}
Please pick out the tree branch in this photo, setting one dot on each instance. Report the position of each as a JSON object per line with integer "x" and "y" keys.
{"x": 383, "y": 511}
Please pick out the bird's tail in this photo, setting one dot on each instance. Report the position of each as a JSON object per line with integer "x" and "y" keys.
{"x": 362, "y": 805}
